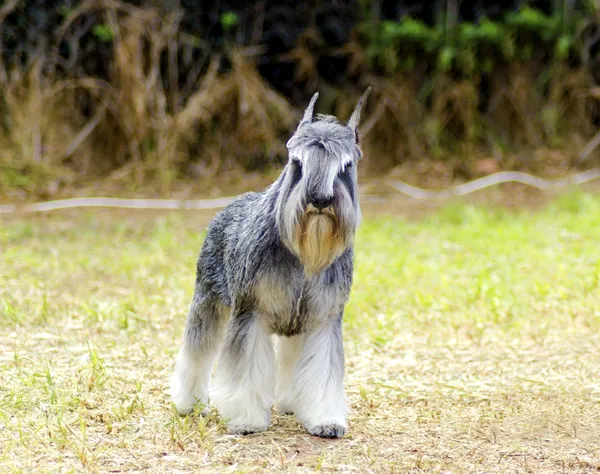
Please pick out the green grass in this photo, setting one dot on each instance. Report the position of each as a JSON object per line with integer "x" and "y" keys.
{"x": 471, "y": 338}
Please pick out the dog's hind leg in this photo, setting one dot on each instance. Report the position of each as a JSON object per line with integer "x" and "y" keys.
{"x": 244, "y": 384}
{"x": 203, "y": 334}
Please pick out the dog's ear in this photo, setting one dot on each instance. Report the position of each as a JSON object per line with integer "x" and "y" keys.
{"x": 310, "y": 110}
{"x": 306, "y": 118}
{"x": 354, "y": 121}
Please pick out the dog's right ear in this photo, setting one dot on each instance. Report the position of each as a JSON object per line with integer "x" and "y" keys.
{"x": 355, "y": 117}
{"x": 309, "y": 112}
{"x": 306, "y": 118}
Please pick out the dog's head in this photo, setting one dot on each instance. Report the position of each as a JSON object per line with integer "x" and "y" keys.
{"x": 318, "y": 208}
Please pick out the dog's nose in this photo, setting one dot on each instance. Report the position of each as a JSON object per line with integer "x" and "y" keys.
{"x": 321, "y": 202}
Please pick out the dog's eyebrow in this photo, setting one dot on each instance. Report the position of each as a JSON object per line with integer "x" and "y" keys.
{"x": 346, "y": 160}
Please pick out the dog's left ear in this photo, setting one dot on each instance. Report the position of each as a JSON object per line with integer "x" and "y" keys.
{"x": 309, "y": 112}
{"x": 354, "y": 121}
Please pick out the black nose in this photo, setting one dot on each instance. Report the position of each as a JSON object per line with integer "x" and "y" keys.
{"x": 321, "y": 202}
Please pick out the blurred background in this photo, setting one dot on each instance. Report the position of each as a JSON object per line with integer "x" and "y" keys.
{"x": 147, "y": 94}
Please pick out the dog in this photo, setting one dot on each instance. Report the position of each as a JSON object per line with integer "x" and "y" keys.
{"x": 278, "y": 263}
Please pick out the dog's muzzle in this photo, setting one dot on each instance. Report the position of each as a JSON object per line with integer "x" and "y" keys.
{"x": 320, "y": 202}
{"x": 312, "y": 210}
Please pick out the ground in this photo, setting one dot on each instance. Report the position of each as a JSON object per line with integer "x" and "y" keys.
{"x": 471, "y": 337}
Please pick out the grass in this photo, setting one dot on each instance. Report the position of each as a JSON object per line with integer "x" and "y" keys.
{"x": 471, "y": 338}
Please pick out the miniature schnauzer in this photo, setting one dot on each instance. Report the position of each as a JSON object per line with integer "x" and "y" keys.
{"x": 278, "y": 263}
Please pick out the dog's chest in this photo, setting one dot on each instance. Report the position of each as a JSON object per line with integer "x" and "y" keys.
{"x": 291, "y": 303}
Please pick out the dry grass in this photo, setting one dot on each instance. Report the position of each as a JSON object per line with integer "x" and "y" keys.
{"x": 156, "y": 118}
{"x": 139, "y": 126}
{"x": 471, "y": 336}
{"x": 409, "y": 120}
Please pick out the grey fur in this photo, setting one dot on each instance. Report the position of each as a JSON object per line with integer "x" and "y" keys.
{"x": 252, "y": 271}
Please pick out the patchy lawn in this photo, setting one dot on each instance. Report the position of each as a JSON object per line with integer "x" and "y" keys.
{"x": 471, "y": 338}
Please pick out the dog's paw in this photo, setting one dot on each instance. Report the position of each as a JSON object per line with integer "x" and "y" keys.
{"x": 187, "y": 395}
{"x": 187, "y": 407}
{"x": 185, "y": 402}
{"x": 328, "y": 430}
{"x": 244, "y": 430}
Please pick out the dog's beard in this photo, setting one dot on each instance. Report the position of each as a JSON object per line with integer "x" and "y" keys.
{"x": 319, "y": 239}
{"x": 316, "y": 238}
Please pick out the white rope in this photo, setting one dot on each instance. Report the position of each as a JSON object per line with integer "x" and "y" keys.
{"x": 400, "y": 186}
{"x": 492, "y": 180}
{"x": 118, "y": 203}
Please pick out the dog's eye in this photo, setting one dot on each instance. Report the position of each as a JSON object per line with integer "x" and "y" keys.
{"x": 296, "y": 171}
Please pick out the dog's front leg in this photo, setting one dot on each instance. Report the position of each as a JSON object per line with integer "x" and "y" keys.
{"x": 319, "y": 400}
{"x": 244, "y": 383}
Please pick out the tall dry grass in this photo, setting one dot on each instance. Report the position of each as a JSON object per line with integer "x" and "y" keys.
{"x": 142, "y": 124}
{"x": 137, "y": 130}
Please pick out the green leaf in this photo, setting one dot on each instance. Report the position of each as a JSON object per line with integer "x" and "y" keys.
{"x": 563, "y": 46}
{"x": 485, "y": 32}
{"x": 407, "y": 30}
{"x": 534, "y": 21}
{"x": 229, "y": 20}
{"x": 103, "y": 33}
{"x": 446, "y": 57}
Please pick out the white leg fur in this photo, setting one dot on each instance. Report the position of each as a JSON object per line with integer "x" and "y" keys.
{"x": 319, "y": 401}
{"x": 244, "y": 384}
{"x": 190, "y": 381}
{"x": 288, "y": 352}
